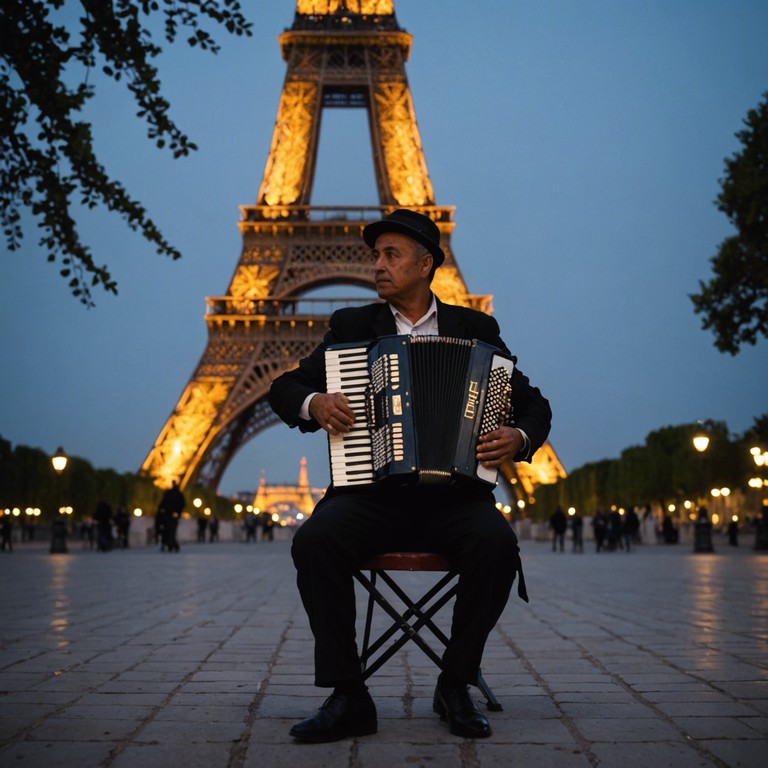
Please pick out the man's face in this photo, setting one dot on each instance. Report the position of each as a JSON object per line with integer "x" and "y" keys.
{"x": 397, "y": 269}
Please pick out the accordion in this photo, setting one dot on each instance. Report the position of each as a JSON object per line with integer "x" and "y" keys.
{"x": 420, "y": 403}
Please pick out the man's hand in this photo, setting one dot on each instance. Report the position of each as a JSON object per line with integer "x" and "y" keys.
{"x": 499, "y": 446}
{"x": 332, "y": 412}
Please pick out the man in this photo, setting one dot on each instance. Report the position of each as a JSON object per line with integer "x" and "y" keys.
{"x": 350, "y": 525}
{"x": 171, "y": 506}
{"x": 558, "y": 522}
{"x": 6, "y": 533}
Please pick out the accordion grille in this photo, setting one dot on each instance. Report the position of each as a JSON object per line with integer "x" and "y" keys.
{"x": 438, "y": 366}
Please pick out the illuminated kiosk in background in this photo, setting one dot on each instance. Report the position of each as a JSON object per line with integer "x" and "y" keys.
{"x": 339, "y": 55}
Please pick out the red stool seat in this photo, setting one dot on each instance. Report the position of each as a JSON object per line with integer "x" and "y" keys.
{"x": 407, "y": 561}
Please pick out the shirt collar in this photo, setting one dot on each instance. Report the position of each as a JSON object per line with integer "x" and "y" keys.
{"x": 427, "y": 324}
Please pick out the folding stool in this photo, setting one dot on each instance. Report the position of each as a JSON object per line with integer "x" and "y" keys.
{"x": 417, "y": 614}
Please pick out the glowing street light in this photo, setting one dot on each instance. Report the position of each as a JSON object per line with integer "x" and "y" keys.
{"x": 701, "y": 441}
{"x": 59, "y": 460}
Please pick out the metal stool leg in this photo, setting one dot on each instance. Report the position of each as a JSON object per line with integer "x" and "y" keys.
{"x": 491, "y": 702}
{"x": 416, "y": 616}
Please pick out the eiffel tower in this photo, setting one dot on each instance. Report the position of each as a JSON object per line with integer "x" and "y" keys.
{"x": 339, "y": 54}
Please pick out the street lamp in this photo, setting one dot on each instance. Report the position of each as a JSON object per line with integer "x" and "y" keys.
{"x": 759, "y": 482}
{"x": 702, "y": 528}
{"x": 700, "y": 441}
{"x": 59, "y": 462}
{"x": 759, "y": 456}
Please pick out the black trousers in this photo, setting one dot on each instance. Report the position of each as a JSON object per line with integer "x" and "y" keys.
{"x": 346, "y": 529}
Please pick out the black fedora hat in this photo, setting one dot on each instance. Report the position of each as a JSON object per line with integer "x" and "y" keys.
{"x": 416, "y": 225}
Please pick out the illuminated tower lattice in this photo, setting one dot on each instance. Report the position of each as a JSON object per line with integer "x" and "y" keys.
{"x": 339, "y": 55}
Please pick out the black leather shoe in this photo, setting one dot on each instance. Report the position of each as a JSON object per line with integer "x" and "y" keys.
{"x": 454, "y": 704}
{"x": 341, "y": 715}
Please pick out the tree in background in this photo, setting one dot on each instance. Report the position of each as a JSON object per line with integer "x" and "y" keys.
{"x": 47, "y": 160}
{"x": 27, "y": 479}
{"x": 665, "y": 469}
{"x": 734, "y": 303}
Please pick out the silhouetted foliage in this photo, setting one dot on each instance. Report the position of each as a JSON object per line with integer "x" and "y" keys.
{"x": 27, "y": 479}
{"x": 734, "y": 302}
{"x": 47, "y": 159}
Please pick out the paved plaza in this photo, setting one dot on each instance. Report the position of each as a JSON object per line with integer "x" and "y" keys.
{"x": 658, "y": 657}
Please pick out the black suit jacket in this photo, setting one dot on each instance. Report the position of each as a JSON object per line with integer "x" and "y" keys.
{"x": 531, "y": 410}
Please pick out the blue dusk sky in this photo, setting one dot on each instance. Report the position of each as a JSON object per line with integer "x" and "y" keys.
{"x": 581, "y": 142}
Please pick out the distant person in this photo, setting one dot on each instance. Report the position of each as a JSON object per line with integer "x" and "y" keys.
{"x": 558, "y": 523}
{"x": 213, "y": 528}
{"x": 160, "y": 519}
{"x": 599, "y": 526}
{"x": 577, "y": 528}
{"x": 88, "y": 533}
{"x": 613, "y": 530}
{"x": 28, "y": 529}
{"x": 6, "y": 534}
{"x": 172, "y": 504}
{"x": 103, "y": 520}
{"x": 250, "y": 527}
{"x": 761, "y": 527}
{"x": 268, "y": 528}
{"x": 630, "y": 528}
{"x": 170, "y": 531}
{"x": 123, "y": 525}
{"x": 668, "y": 530}
{"x": 202, "y": 526}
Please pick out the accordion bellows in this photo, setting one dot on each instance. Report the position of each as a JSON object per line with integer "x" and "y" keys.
{"x": 421, "y": 404}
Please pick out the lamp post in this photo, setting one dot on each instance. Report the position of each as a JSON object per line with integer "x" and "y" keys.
{"x": 700, "y": 442}
{"x": 59, "y": 463}
{"x": 702, "y": 527}
{"x": 760, "y": 457}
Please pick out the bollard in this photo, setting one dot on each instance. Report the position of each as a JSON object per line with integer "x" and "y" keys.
{"x": 702, "y": 536}
{"x": 59, "y": 537}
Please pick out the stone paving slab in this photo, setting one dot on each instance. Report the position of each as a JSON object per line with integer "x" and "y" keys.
{"x": 204, "y": 658}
